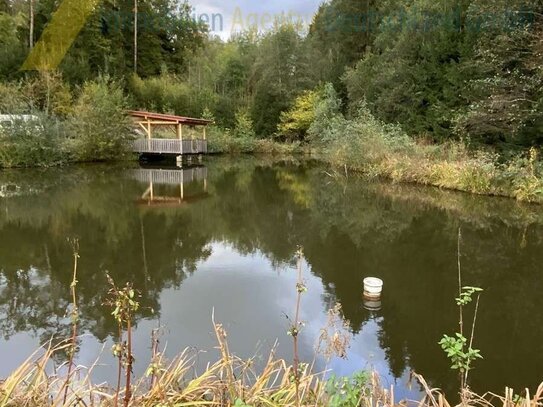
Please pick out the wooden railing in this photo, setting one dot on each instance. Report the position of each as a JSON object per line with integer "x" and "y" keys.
{"x": 170, "y": 146}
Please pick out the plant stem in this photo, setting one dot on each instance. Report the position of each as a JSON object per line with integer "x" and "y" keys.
{"x": 128, "y": 394}
{"x": 296, "y": 361}
{"x": 472, "y": 332}
{"x": 74, "y": 320}
{"x": 460, "y": 308}
{"x": 461, "y": 320}
{"x": 119, "y": 367}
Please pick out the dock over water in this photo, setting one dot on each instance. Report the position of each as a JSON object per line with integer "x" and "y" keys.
{"x": 147, "y": 122}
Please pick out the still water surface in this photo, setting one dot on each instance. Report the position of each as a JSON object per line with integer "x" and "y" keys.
{"x": 223, "y": 239}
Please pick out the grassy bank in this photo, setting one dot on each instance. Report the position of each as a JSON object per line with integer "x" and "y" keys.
{"x": 366, "y": 145}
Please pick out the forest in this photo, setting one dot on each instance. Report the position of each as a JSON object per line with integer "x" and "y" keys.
{"x": 454, "y": 87}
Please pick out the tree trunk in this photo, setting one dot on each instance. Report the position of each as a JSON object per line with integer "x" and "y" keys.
{"x": 31, "y": 24}
{"x": 135, "y": 36}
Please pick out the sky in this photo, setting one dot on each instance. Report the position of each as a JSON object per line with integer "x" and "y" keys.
{"x": 225, "y": 17}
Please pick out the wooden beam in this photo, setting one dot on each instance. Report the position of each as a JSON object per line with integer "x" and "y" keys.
{"x": 143, "y": 125}
{"x": 180, "y": 131}
{"x": 162, "y": 122}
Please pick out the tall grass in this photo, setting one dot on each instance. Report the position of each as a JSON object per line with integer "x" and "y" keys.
{"x": 366, "y": 145}
{"x": 229, "y": 382}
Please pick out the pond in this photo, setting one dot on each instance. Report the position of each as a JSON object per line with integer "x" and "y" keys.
{"x": 220, "y": 240}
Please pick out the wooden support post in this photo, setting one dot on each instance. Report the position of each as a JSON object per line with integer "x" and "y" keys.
{"x": 179, "y": 131}
{"x": 149, "y": 134}
{"x": 205, "y": 132}
{"x": 149, "y": 130}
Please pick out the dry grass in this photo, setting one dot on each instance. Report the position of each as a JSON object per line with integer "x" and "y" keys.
{"x": 366, "y": 145}
{"x": 435, "y": 398}
{"x": 225, "y": 383}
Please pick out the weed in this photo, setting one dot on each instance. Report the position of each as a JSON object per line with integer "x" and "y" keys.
{"x": 461, "y": 352}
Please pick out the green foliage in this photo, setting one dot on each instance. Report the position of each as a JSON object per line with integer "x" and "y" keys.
{"x": 11, "y": 47}
{"x": 244, "y": 126}
{"x": 457, "y": 348}
{"x": 279, "y": 76}
{"x": 12, "y": 100}
{"x": 32, "y": 143}
{"x": 366, "y": 144}
{"x": 412, "y": 77}
{"x": 297, "y": 120}
{"x": 98, "y": 126}
{"x": 347, "y": 391}
{"x": 47, "y": 92}
{"x": 504, "y": 84}
{"x": 339, "y": 36}
{"x": 461, "y": 355}
{"x": 328, "y": 117}
{"x": 466, "y": 295}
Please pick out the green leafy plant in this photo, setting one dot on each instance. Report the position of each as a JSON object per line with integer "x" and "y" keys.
{"x": 124, "y": 304}
{"x": 347, "y": 391}
{"x": 455, "y": 347}
{"x": 458, "y": 348}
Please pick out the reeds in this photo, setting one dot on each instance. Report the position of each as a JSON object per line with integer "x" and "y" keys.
{"x": 229, "y": 382}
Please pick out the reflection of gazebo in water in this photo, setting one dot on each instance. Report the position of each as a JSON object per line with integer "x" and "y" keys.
{"x": 172, "y": 187}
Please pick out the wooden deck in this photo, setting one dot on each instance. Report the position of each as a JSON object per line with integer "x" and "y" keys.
{"x": 147, "y": 121}
{"x": 170, "y": 146}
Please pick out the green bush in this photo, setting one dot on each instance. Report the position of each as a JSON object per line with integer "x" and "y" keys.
{"x": 99, "y": 127}
{"x": 32, "y": 143}
{"x": 370, "y": 146}
{"x": 12, "y": 100}
{"x": 294, "y": 123}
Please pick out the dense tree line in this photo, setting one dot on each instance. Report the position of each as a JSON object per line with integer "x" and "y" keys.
{"x": 442, "y": 70}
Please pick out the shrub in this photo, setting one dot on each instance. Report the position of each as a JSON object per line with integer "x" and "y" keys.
{"x": 295, "y": 122}
{"x": 47, "y": 92}
{"x": 368, "y": 145}
{"x": 99, "y": 128}
{"x": 32, "y": 143}
{"x": 244, "y": 126}
{"x": 12, "y": 100}
{"x": 328, "y": 118}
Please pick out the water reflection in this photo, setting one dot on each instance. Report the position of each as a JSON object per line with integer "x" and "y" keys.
{"x": 224, "y": 239}
{"x": 167, "y": 186}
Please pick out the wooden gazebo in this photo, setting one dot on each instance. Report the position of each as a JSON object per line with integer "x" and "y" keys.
{"x": 148, "y": 122}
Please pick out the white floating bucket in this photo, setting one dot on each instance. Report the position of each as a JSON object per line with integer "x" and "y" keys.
{"x": 373, "y": 287}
